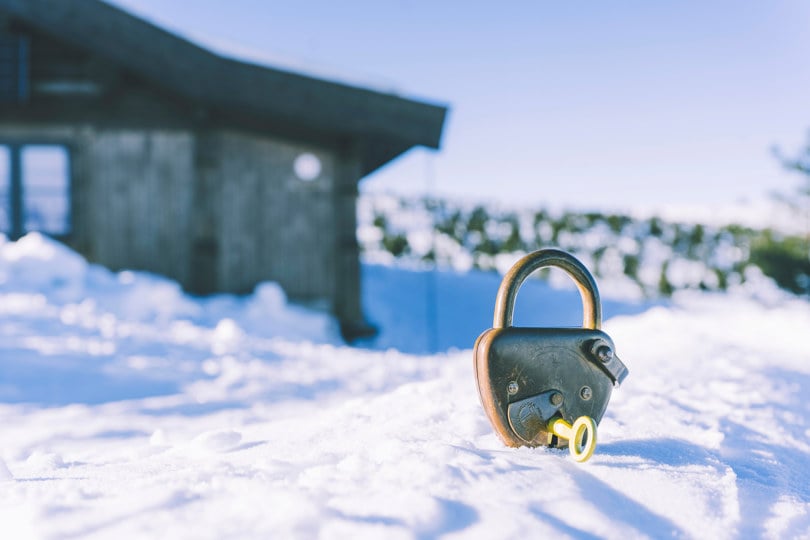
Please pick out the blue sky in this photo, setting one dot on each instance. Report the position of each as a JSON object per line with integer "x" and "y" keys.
{"x": 587, "y": 104}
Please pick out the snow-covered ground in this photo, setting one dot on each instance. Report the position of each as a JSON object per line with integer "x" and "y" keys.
{"x": 128, "y": 410}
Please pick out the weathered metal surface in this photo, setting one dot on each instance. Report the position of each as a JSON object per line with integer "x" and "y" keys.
{"x": 528, "y": 376}
{"x": 529, "y": 417}
{"x": 541, "y": 360}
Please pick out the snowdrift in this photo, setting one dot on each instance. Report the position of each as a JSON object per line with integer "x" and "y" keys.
{"x": 130, "y": 410}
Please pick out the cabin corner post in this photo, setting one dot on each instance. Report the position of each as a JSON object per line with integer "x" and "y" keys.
{"x": 204, "y": 256}
{"x": 346, "y": 301}
{"x": 80, "y": 189}
{"x": 16, "y": 191}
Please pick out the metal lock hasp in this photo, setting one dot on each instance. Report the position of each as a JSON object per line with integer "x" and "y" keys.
{"x": 529, "y": 378}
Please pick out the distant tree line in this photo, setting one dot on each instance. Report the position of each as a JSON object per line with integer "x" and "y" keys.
{"x": 658, "y": 256}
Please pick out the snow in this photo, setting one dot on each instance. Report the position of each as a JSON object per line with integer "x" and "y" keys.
{"x": 130, "y": 410}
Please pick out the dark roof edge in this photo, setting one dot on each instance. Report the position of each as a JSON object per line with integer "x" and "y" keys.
{"x": 209, "y": 79}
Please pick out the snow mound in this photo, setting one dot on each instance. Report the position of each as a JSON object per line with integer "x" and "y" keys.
{"x": 36, "y": 263}
{"x": 47, "y": 271}
{"x": 200, "y": 419}
{"x": 217, "y": 441}
{"x": 5, "y": 474}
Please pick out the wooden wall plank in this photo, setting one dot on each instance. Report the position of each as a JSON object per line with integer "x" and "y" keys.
{"x": 141, "y": 197}
{"x": 274, "y": 226}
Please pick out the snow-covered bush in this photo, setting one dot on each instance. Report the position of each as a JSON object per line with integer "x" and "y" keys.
{"x": 655, "y": 256}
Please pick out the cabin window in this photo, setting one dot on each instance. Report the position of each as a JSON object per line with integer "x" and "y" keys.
{"x": 35, "y": 190}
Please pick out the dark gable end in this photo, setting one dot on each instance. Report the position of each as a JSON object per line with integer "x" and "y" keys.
{"x": 378, "y": 126}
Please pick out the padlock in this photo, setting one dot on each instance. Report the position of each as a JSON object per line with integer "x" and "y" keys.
{"x": 536, "y": 383}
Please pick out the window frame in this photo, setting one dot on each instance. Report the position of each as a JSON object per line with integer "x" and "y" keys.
{"x": 16, "y": 180}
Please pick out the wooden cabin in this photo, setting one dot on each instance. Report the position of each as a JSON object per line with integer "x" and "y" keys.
{"x": 214, "y": 172}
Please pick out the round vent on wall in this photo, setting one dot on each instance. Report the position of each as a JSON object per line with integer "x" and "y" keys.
{"x": 307, "y": 167}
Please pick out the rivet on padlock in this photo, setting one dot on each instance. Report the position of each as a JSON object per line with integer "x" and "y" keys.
{"x": 581, "y": 436}
{"x": 535, "y": 383}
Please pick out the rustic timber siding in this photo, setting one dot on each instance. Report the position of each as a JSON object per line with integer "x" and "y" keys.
{"x": 217, "y": 211}
{"x": 271, "y": 224}
{"x": 139, "y": 186}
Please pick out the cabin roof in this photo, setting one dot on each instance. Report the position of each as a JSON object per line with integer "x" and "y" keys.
{"x": 380, "y": 125}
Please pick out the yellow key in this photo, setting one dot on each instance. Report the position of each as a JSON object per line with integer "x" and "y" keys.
{"x": 581, "y": 436}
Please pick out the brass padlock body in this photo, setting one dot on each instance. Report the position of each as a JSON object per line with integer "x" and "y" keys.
{"x": 527, "y": 377}
{"x": 513, "y": 365}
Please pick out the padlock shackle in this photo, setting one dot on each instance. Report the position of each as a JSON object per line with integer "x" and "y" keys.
{"x": 505, "y": 301}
